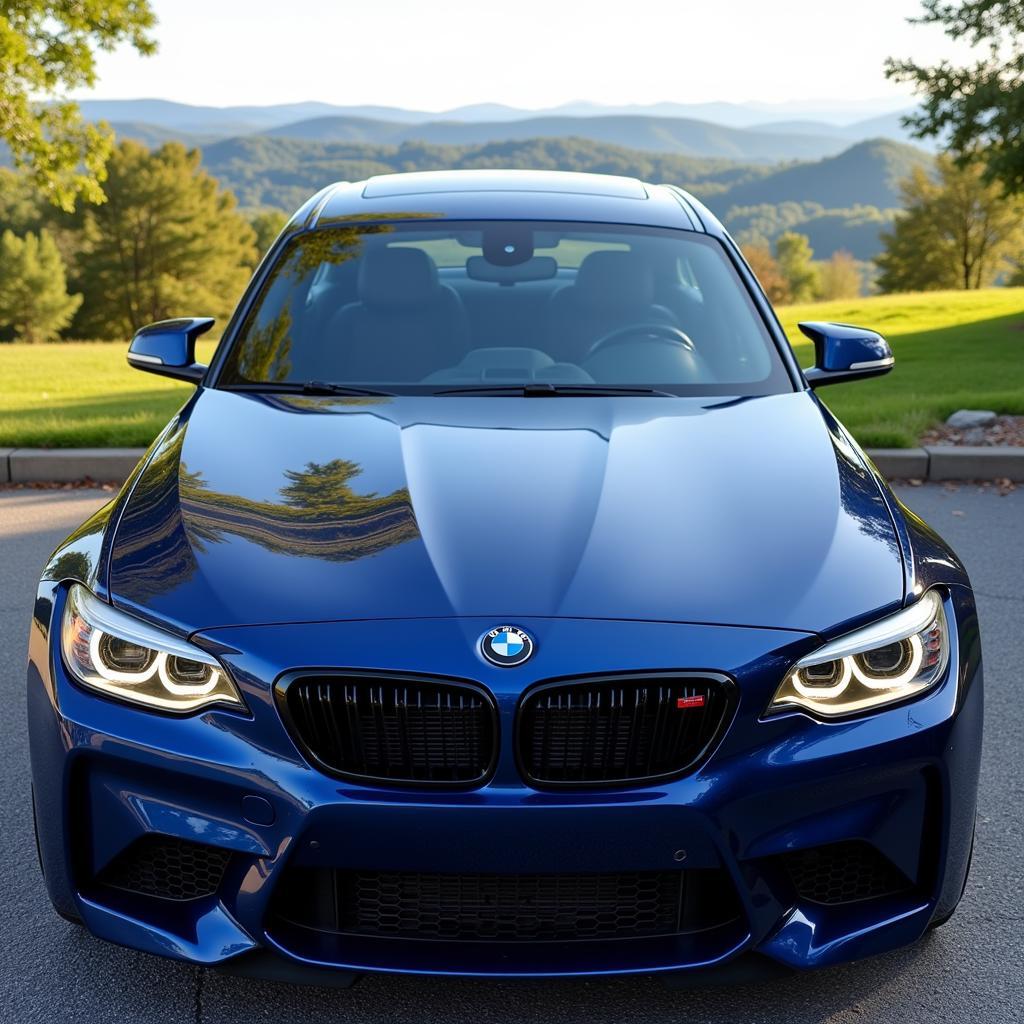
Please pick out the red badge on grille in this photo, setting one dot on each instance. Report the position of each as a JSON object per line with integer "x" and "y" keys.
{"x": 696, "y": 701}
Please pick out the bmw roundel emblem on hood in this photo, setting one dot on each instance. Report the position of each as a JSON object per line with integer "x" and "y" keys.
{"x": 506, "y": 646}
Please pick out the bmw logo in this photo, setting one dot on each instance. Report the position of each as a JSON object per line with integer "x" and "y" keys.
{"x": 506, "y": 646}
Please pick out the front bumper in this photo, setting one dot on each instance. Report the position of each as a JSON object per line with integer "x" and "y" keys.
{"x": 902, "y": 780}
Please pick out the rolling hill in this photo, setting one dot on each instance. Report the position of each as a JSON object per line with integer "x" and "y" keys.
{"x": 270, "y": 171}
{"x": 800, "y": 173}
{"x": 746, "y": 132}
{"x": 653, "y": 134}
{"x": 206, "y": 119}
{"x": 867, "y": 173}
{"x": 840, "y": 202}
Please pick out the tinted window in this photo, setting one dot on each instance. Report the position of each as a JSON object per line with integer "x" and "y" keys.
{"x": 414, "y": 307}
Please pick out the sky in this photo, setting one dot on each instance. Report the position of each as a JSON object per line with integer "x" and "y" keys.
{"x": 438, "y": 54}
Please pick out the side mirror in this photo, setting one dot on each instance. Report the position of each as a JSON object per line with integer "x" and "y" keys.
{"x": 843, "y": 353}
{"x": 168, "y": 348}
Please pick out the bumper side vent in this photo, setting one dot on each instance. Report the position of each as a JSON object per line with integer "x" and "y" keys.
{"x": 844, "y": 873}
{"x": 394, "y": 729}
{"x": 619, "y": 730}
{"x": 167, "y": 868}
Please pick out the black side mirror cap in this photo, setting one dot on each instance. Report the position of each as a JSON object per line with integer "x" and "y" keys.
{"x": 843, "y": 352}
{"x": 168, "y": 348}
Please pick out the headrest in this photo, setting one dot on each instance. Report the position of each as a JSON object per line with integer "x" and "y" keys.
{"x": 612, "y": 279}
{"x": 397, "y": 277}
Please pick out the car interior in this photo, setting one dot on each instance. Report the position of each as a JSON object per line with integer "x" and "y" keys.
{"x": 513, "y": 303}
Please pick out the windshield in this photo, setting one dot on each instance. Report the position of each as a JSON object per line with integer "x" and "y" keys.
{"x": 443, "y": 306}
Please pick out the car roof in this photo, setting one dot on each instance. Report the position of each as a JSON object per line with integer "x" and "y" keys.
{"x": 507, "y": 195}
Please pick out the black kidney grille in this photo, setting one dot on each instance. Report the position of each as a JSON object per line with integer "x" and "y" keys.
{"x": 619, "y": 730}
{"x": 167, "y": 868}
{"x": 396, "y": 730}
{"x": 511, "y": 907}
{"x": 843, "y": 873}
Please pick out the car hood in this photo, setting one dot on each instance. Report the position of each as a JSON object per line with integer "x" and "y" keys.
{"x": 267, "y": 509}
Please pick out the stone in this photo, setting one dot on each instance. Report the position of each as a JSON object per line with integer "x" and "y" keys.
{"x": 964, "y": 419}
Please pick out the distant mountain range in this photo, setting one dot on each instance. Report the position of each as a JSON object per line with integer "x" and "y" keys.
{"x": 652, "y": 134}
{"x": 841, "y": 201}
{"x": 738, "y": 131}
{"x": 270, "y": 170}
{"x": 830, "y": 171}
{"x": 736, "y": 115}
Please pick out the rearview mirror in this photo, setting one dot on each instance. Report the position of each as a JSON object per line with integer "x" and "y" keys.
{"x": 538, "y": 268}
{"x": 168, "y": 348}
{"x": 843, "y": 352}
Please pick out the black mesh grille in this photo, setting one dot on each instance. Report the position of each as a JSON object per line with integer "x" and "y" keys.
{"x": 169, "y": 868}
{"x": 843, "y": 873}
{"x": 503, "y": 908}
{"x": 512, "y": 907}
{"x": 397, "y": 730}
{"x": 619, "y": 730}
{"x": 481, "y": 907}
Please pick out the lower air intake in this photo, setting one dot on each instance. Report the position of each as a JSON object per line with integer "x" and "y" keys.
{"x": 843, "y": 873}
{"x": 167, "y": 868}
{"x": 505, "y": 908}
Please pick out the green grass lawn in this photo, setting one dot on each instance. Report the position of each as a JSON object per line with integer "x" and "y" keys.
{"x": 82, "y": 394}
{"x": 953, "y": 350}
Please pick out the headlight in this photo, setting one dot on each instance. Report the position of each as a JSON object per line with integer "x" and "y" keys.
{"x": 124, "y": 657}
{"x": 885, "y": 662}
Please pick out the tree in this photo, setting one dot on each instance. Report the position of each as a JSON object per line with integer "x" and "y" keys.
{"x": 24, "y": 209}
{"x": 840, "y": 277}
{"x": 267, "y": 225}
{"x": 795, "y": 258}
{"x": 47, "y": 47}
{"x": 167, "y": 242}
{"x": 19, "y": 203}
{"x": 767, "y": 271}
{"x": 977, "y": 108}
{"x": 34, "y": 297}
{"x": 956, "y": 231}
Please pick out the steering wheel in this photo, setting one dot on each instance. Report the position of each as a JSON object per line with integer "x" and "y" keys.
{"x": 663, "y": 332}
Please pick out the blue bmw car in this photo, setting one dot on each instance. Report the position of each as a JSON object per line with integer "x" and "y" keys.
{"x": 505, "y": 601}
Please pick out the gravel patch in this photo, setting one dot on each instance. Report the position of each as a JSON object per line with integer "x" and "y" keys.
{"x": 1006, "y": 431}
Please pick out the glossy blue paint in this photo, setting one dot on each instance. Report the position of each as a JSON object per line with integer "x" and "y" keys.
{"x": 168, "y": 348}
{"x": 670, "y": 509}
{"x": 651, "y": 534}
{"x": 845, "y": 353}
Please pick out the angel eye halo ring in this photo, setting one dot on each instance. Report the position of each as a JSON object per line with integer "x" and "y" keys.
{"x": 889, "y": 661}
{"x": 122, "y": 657}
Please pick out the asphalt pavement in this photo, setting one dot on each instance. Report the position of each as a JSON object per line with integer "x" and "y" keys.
{"x": 970, "y": 970}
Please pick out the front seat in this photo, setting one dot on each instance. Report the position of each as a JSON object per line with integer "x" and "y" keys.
{"x": 612, "y": 289}
{"x": 405, "y": 325}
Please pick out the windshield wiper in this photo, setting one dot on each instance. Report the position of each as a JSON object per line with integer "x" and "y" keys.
{"x": 309, "y": 387}
{"x": 553, "y": 390}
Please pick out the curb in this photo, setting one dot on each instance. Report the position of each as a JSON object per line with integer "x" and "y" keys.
{"x": 900, "y": 463}
{"x": 948, "y": 462}
{"x": 67, "y": 465}
{"x": 70, "y": 465}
